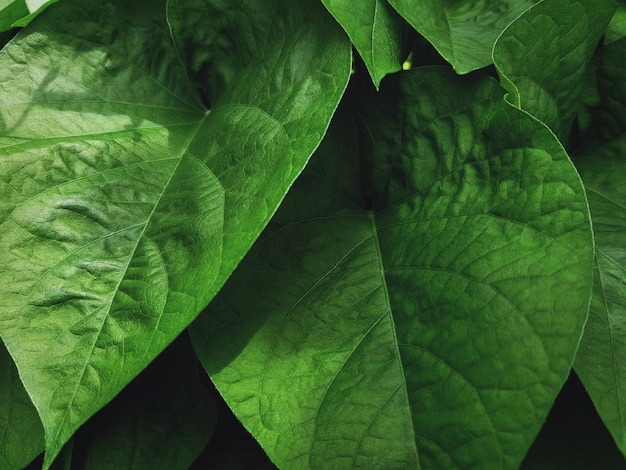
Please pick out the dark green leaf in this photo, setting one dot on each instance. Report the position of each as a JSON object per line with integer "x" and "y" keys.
{"x": 126, "y": 202}
{"x": 376, "y": 31}
{"x": 601, "y": 360}
{"x": 162, "y": 420}
{"x": 417, "y": 298}
{"x": 21, "y": 434}
{"x": 231, "y": 447}
{"x": 616, "y": 29}
{"x": 545, "y": 72}
{"x": 463, "y": 32}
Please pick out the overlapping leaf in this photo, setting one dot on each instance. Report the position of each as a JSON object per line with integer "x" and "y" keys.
{"x": 162, "y": 420}
{"x": 11, "y": 11}
{"x": 600, "y": 362}
{"x": 125, "y": 201}
{"x": 18, "y": 418}
{"x": 418, "y": 299}
{"x": 463, "y": 32}
{"x": 545, "y": 72}
{"x": 376, "y": 31}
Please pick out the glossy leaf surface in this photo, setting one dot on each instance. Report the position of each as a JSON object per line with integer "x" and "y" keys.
{"x": 600, "y": 362}
{"x": 126, "y": 202}
{"x": 419, "y": 296}
{"x": 376, "y": 31}
{"x": 545, "y": 72}
{"x": 463, "y": 32}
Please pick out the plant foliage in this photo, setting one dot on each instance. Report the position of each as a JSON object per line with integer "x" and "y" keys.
{"x": 382, "y": 234}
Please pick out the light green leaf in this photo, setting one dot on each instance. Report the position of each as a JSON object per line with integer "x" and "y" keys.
{"x": 545, "y": 72}
{"x": 21, "y": 434}
{"x": 279, "y": 90}
{"x": 376, "y": 31}
{"x": 601, "y": 360}
{"x": 125, "y": 202}
{"x": 162, "y": 420}
{"x": 463, "y": 32}
{"x": 417, "y": 299}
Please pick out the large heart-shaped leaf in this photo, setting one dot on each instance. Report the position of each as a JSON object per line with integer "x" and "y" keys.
{"x": 545, "y": 72}
{"x": 418, "y": 299}
{"x": 601, "y": 361}
{"x": 126, "y": 201}
{"x": 463, "y": 32}
{"x": 376, "y": 31}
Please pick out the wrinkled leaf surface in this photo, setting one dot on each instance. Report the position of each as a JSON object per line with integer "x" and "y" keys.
{"x": 600, "y": 362}
{"x": 418, "y": 298}
{"x": 125, "y": 200}
{"x": 545, "y": 71}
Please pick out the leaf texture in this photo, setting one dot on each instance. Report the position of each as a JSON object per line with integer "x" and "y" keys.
{"x": 126, "y": 202}
{"x": 376, "y": 31}
{"x": 602, "y": 165}
{"x": 545, "y": 72}
{"x": 463, "y": 32}
{"x": 418, "y": 299}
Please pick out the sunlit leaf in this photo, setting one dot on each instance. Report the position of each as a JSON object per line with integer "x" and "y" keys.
{"x": 126, "y": 197}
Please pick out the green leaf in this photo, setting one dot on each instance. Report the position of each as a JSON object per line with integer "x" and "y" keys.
{"x": 376, "y": 31}
{"x": 545, "y": 72}
{"x": 125, "y": 202}
{"x": 616, "y": 29}
{"x": 602, "y": 165}
{"x": 279, "y": 91}
{"x": 418, "y": 298}
{"x": 21, "y": 434}
{"x": 11, "y": 11}
{"x": 463, "y": 32}
{"x": 162, "y": 420}
{"x": 232, "y": 446}
{"x": 35, "y": 7}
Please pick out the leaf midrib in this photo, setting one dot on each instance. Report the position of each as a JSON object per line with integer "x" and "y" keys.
{"x": 383, "y": 280}
{"x": 70, "y": 403}
{"x": 101, "y": 136}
